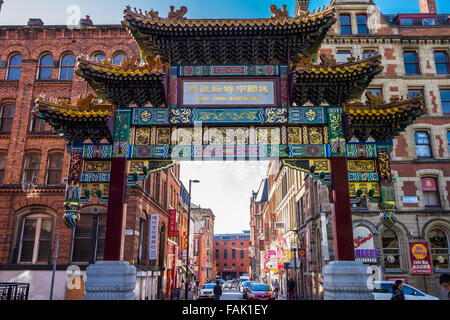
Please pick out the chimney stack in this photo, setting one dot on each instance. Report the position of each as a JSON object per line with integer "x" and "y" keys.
{"x": 35, "y": 22}
{"x": 301, "y": 5}
{"x": 86, "y": 22}
{"x": 427, "y": 6}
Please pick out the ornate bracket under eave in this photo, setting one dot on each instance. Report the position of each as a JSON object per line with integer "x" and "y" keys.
{"x": 318, "y": 168}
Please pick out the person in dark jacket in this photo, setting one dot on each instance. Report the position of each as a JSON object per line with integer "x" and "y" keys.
{"x": 444, "y": 280}
{"x": 291, "y": 289}
{"x": 397, "y": 293}
{"x": 217, "y": 290}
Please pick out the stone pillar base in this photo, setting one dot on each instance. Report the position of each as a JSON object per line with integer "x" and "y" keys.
{"x": 110, "y": 280}
{"x": 346, "y": 280}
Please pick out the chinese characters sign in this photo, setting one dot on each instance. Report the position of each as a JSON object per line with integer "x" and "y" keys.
{"x": 419, "y": 254}
{"x": 153, "y": 239}
{"x": 172, "y": 223}
{"x": 229, "y": 93}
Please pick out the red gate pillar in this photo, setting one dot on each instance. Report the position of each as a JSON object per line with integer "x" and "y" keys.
{"x": 116, "y": 204}
{"x": 342, "y": 215}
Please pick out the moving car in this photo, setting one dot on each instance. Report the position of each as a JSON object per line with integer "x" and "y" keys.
{"x": 259, "y": 291}
{"x": 227, "y": 284}
{"x": 207, "y": 292}
{"x": 245, "y": 288}
{"x": 383, "y": 291}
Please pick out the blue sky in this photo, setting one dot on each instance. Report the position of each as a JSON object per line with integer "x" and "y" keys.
{"x": 110, "y": 11}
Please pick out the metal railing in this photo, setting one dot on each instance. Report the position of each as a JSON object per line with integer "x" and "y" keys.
{"x": 14, "y": 291}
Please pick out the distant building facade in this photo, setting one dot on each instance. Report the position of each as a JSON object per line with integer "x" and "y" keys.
{"x": 232, "y": 254}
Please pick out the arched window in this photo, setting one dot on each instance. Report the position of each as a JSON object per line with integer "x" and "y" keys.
{"x": 31, "y": 167}
{"x": 98, "y": 57}
{"x": 35, "y": 239}
{"x": 66, "y": 68}
{"x": 7, "y": 116}
{"x": 89, "y": 236}
{"x": 391, "y": 250}
{"x": 46, "y": 67}
{"x": 54, "y": 168}
{"x": 142, "y": 220}
{"x": 14, "y": 67}
{"x": 117, "y": 59}
{"x": 439, "y": 249}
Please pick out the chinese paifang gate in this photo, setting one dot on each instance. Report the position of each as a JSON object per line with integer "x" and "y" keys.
{"x": 260, "y": 89}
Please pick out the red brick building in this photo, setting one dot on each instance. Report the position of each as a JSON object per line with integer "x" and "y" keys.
{"x": 232, "y": 254}
{"x": 38, "y": 60}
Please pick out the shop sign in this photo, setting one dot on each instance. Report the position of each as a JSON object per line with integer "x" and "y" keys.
{"x": 302, "y": 254}
{"x": 172, "y": 222}
{"x": 410, "y": 199}
{"x": 280, "y": 267}
{"x": 228, "y": 93}
{"x": 279, "y": 225}
{"x": 420, "y": 259}
{"x": 364, "y": 245}
{"x": 153, "y": 238}
{"x": 308, "y": 250}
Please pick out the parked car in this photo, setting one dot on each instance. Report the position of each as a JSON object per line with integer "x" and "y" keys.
{"x": 207, "y": 292}
{"x": 241, "y": 284}
{"x": 245, "y": 288}
{"x": 383, "y": 291}
{"x": 259, "y": 291}
{"x": 235, "y": 284}
{"x": 227, "y": 284}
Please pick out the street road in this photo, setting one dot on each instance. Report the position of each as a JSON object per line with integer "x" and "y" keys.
{"x": 231, "y": 294}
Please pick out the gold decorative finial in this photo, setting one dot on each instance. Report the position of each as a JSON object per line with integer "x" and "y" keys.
{"x": 178, "y": 14}
{"x": 279, "y": 14}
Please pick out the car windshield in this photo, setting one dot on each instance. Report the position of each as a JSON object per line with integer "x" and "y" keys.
{"x": 229, "y": 281}
{"x": 260, "y": 287}
{"x": 246, "y": 284}
{"x": 209, "y": 286}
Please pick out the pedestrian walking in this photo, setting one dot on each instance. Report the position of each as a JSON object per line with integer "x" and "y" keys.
{"x": 444, "y": 280}
{"x": 397, "y": 293}
{"x": 217, "y": 290}
{"x": 291, "y": 289}
{"x": 276, "y": 288}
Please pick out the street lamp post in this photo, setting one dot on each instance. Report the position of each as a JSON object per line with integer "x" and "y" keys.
{"x": 187, "y": 249}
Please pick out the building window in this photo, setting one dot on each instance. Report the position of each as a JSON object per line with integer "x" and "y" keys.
{"x": 242, "y": 243}
{"x": 242, "y": 264}
{"x": 448, "y": 142}
{"x": 54, "y": 168}
{"x": 217, "y": 254}
{"x": 3, "y": 157}
{"x": 391, "y": 250}
{"x": 346, "y": 25}
{"x": 225, "y": 253}
{"x": 406, "y": 22}
{"x": 429, "y": 21}
{"x": 7, "y": 117}
{"x": 441, "y": 61}
{"x": 445, "y": 100}
{"x": 242, "y": 254}
{"x": 233, "y": 254}
{"x": 99, "y": 57}
{"x": 342, "y": 56}
{"x": 224, "y": 264}
{"x": 46, "y": 67}
{"x": 118, "y": 58}
{"x": 430, "y": 193}
{"x": 67, "y": 65}
{"x": 423, "y": 145}
{"x": 14, "y": 67}
{"x": 361, "y": 21}
{"x": 368, "y": 53}
{"x": 232, "y": 243}
{"x": 411, "y": 62}
{"x": 31, "y": 168}
{"x": 37, "y": 125}
{"x": 89, "y": 238}
{"x": 36, "y": 239}
{"x": 439, "y": 249}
